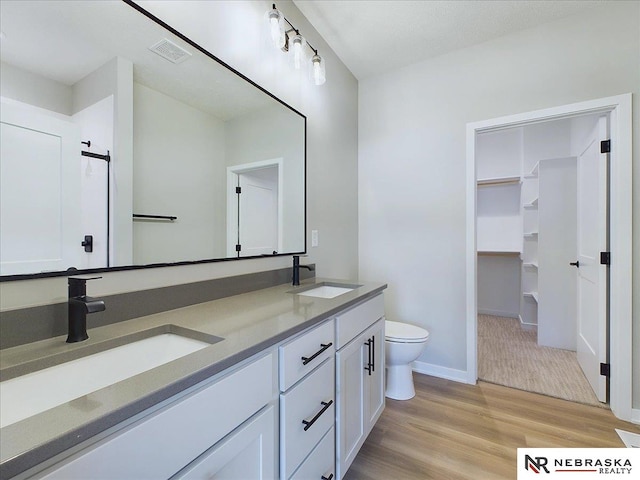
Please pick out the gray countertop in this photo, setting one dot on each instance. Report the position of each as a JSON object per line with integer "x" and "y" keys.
{"x": 248, "y": 323}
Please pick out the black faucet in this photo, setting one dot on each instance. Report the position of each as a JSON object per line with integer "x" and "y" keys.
{"x": 79, "y": 306}
{"x": 297, "y": 267}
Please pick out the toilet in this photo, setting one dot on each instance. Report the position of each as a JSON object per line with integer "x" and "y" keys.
{"x": 403, "y": 344}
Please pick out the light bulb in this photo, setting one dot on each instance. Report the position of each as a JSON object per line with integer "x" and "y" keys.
{"x": 318, "y": 75}
{"x": 276, "y": 27}
{"x": 298, "y": 51}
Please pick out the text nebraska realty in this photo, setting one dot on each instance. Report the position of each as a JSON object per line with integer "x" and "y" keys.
{"x": 606, "y": 466}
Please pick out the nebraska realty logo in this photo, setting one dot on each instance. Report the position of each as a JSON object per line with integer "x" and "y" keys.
{"x": 582, "y": 463}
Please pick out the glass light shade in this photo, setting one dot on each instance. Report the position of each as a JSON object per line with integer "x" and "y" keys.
{"x": 275, "y": 26}
{"x": 298, "y": 51}
{"x": 317, "y": 71}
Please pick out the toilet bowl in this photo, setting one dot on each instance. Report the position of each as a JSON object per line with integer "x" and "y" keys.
{"x": 403, "y": 344}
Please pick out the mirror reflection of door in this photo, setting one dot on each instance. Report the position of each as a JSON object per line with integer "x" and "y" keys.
{"x": 40, "y": 191}
{"x": 254, "y": 213}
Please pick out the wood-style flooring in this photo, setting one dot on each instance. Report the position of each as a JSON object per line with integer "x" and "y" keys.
{"x": 451, "y": 430}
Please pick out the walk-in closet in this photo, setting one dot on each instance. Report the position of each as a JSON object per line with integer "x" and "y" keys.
{"x": 528, "y": 211}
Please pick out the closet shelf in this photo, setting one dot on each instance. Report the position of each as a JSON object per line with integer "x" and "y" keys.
{"x": 530, "y": 265}
{"x": 533, "y": 204}
{"x": 531, "y": 235}
{"x": 533, "y": 173}
{"x": 533, "y": 295}
{"x": 491, "y": 182}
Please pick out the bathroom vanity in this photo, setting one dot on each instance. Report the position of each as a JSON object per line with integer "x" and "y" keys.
{"x": 291, "y": 391}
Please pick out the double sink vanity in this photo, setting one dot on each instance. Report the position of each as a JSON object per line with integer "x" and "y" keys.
{"x": 284, "y": 382}
{"x": 279, "y": 382}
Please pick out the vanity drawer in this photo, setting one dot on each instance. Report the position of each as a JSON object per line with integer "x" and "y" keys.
{"x": 311, "y": 401}
{"x": 351, "y": 322}
{"x": 321, "y": 462}
{"x": 303, "y": 354}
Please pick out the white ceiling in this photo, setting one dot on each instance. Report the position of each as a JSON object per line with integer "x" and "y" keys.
{"x": 374, "y": 36}
{"x": 66, "y": 40}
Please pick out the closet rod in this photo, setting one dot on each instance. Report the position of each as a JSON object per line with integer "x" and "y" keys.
{"x": 496, "y": 253}
{"x": 155, "y": 217}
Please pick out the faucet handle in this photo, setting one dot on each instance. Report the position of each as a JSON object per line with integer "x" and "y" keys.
{"x": 78, "y": 285}
{"x": 83, "y": 278}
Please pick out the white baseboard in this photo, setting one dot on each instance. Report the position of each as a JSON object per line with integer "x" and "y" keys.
{"x": 441, "y": 372}
{"x": 497, "y": 313}
{"x": 635, "y": 415}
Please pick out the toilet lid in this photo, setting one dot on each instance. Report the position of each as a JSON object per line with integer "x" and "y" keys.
{"x": 404, "y": 332}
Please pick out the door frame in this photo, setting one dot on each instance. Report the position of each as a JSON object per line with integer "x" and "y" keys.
{"x": 620, "y": 231}
{"x": 232, "y": 206}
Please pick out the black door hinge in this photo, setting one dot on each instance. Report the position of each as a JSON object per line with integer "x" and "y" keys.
{"x": 238, "y": 248}
{"x": 605, "y": 146}
{"x": 605, "y": 369}
{"x": 605, "y": 258}
{"x": 238, "y": 189}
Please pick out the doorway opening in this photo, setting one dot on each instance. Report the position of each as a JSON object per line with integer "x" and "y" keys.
{"x": 254, "y": 208}
{"x": 523, "y": 255}
{"x": 527, "y": 241}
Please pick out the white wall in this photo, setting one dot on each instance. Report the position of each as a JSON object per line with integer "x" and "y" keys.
{"x": 277, "y": 133}
{"x": 96, "y": 125}
{"x": 27, "y": 87}
{"x": 232, "y": 30}
{"x": 115, "y": 78}
{"x": 499, "y": 285}
{"x": 412, "y": 157}
{"x": 179, "y": 170}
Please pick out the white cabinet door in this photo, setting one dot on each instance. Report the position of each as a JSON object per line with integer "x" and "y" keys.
{"x": 247, "y": 453}
{"x": 359, "y": 391}
{"x": 374, "y": 383}
{"x": 350, "y": 392}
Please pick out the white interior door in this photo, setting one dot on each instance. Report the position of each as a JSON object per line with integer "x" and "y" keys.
{"x": 592, "y": 239}
{"x": 258, "y": 212}
{"x": 39, "y": 192}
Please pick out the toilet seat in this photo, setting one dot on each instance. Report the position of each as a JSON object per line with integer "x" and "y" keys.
{"x": 399, "y": 332}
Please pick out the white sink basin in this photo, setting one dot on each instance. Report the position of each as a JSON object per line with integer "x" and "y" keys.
{"x": 35, "y": 392}
{"x": 325, "y": 291}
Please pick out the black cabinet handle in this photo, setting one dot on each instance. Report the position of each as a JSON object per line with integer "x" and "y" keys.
{"x": 575, "y": 264}
{"x": 326, "y": 478}
{"x": 324, "y": 346}
{"x": 373, "y": 353}
{"x": 369, "y": 367}
{"x": 325, "y": 406}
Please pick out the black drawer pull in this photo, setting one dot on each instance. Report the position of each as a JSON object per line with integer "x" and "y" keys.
{"x": 325, "y": 406}
{"x": 373, "y": 353}
{"x": 369, "y": 367}
{"x": 326, "y": 478}
{"x": 324, "y": 346}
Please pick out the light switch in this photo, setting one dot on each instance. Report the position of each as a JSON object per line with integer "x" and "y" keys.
{"x": 314, "y": 238}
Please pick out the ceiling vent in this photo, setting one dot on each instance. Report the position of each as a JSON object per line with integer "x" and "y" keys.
{"x": 169, "y": 50}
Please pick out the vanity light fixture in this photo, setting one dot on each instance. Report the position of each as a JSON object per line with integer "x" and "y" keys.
{"x": 290, "y": 41}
